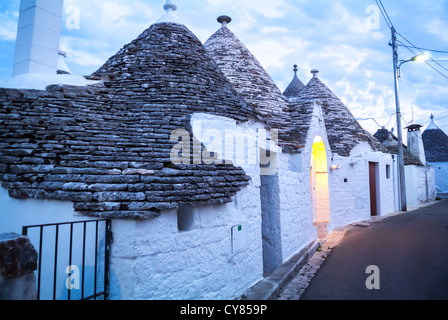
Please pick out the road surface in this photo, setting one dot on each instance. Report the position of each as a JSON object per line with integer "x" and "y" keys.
{"x": 409, "y": 249}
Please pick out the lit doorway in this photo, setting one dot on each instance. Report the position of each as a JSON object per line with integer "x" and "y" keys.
{"x": 320, "y": 194}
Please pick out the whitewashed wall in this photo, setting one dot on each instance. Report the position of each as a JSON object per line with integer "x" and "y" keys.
{"x": 295, "y": 191}
{"x": 351, "y": 200}
{"x": 152, "y": 259}
{"x": 16, "y": 213}
{"x": 441, "y": 176}
{"x": 420, "y": 185}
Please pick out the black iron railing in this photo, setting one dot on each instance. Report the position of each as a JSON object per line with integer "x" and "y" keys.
{"x": 56, "y": 244}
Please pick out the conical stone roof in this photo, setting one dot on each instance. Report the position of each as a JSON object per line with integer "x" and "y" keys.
{"x": 168, "y": 64}
{"x": 295, "y": 87}
{"x": 343, "y": 131}
{"x": 435, "y": 142}
{"x": 245, "y": 73}
{"x": 249, "y": 78}
{"x": 107, "y": 148}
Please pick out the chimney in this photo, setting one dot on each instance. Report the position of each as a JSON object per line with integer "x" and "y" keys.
{"x": 38, "y": 33}
{"x": 415, "y": 142}
{"x": 62, "y": 66}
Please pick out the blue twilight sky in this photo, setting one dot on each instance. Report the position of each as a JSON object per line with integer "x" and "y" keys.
{"x": 347, "y": 40}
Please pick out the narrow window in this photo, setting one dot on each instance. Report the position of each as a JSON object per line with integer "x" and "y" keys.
{"x": 388, "y": 171}
{"x": 185, "y": 219}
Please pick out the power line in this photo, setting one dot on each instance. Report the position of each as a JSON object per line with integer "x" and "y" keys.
{"x": 426, "y": 49}
{"x": 371, "y": 118}
{"x": 421, "y": 51}
{"x": 384, "y": 13}
{"x": 439, "y": 72}
{"x": 390, "y": 25}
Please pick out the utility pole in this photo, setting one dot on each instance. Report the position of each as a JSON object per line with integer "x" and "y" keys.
{"x": 401, "y": 172}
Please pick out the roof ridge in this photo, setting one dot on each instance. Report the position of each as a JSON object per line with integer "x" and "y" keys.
{"x": 224, "y": 38}
{"x": 339, "y": 119}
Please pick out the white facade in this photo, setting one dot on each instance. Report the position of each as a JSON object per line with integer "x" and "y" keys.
{"x": 420, "y": 185}
{"x": 154, "y": 259}
{"x": 441, "y": 176}
{"x": 350, "y": 192}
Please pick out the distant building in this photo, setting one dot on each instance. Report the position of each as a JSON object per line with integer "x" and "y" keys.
{"x": 420, "y": 178}
{"x": 436, "y": 147}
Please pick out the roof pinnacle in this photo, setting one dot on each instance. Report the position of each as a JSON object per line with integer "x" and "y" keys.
{"x": 432, "y": 125}
{"x": 224, "y": 20}
{"x": 314, "y": 72}
{"x": 170, "y": 16}
{"x": 169, "y": 6}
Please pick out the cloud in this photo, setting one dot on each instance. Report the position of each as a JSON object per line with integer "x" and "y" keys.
{"x": 8, "y": 25}
{"x": 267, "y": 8}
{"x": 105, "y": 26}
{"x": 438, "y": 28}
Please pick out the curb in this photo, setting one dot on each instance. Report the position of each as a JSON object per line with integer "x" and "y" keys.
{"x": 270, "y": 287}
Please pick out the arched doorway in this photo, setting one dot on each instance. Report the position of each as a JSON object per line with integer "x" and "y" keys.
{"x": 320, "y": 194}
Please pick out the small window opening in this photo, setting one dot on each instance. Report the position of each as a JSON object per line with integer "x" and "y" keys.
{"x": 185, "y": 219}
{"x": 388, "y": 171}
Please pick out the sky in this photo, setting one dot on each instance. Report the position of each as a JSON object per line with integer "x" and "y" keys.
{"x": 346, "y": 40}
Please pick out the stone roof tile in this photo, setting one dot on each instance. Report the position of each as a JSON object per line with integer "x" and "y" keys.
{"x": 435, "y": 142}
{"x": 107, "y": 147}
{"x": 343, "y": 131}
{"x": 255, "y": 85}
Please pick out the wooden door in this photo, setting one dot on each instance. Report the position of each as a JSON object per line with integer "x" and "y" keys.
{"x": 373, "y": 189}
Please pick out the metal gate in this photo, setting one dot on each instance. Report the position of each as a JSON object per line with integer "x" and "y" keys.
{"x": 73, "y": 259}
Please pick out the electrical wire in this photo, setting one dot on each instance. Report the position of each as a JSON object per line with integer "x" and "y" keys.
{"x": 413, "y": 52}
{"x": 371, "y": 118}
{"x": 390, "y": 25}
{"x": 426, "y": 49}
{"x": 384, "y": 13}
{"x": 421, "y": 51}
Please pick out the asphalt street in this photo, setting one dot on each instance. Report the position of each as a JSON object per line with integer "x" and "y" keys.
{"x": 409, "y": 249}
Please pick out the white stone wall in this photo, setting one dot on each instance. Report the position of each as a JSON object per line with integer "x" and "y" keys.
{"x": 351, "y": 200}
{"x": 295, "y": 191}
{"x": 152, "y": 259}
{"x": 420, "y": 185}
{"x": 15, "y": 213}
{"x": 295, "y": 205}
{"x": 441, "y": 176}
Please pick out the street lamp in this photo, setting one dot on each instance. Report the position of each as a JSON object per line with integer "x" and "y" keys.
{"x": 418, "y": 58}
{"x": 397, "y": 74}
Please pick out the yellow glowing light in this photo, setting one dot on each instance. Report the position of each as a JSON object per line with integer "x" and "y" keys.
{"x": 319, "y": 156}
{"x": 420, "y": 58}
